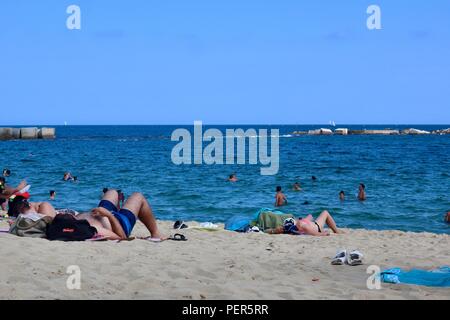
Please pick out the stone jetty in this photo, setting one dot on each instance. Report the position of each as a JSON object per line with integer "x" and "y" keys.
{"x": 346, "y": 131}
{"x": 27, "y": 133}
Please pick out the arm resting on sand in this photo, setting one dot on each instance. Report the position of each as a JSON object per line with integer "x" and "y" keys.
{"x": 115, "y": 224}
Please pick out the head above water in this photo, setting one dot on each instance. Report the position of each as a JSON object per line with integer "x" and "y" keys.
{"x": 362, "y": 186}
{"x": 6, "y": 172}
{"x": 278, "y": 189}
{"x": 313, "y": 178}
{"x": 52, "y": 193}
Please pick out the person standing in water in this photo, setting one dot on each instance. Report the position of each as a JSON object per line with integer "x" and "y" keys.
{"x": 362, "y": 192}
{"x": 52, "y": 194}
{"x": 280, "y": 198}
{"x": 342, "y": 195}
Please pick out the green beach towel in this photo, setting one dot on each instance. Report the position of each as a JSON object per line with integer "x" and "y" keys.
{"x": 270, "y": 219}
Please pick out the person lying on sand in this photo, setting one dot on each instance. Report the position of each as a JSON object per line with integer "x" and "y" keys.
{"x": 20, "y": 205}
{"x": 117, "y": 224}
{"x": 110, "y": 222}
{"x": 306, "y": 226}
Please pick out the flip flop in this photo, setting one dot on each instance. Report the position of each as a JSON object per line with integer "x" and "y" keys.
{"x": 152, "y": 239}
{"x": 339, "y": 258}
{"x": 178, "y": 237}
{"x": 354, "y": 258}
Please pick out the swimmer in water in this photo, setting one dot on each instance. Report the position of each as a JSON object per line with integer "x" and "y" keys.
{"x": 362, "y": 192}
{"x": 296, "y": 187}
{"x": 280, "y": 198}
{"x": 6, "y": 173}
{"x": 342, "y": 195}
{"x": 232, "y": 178}
{"x": 52, "y": 194}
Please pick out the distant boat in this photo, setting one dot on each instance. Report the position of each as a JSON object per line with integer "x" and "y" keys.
{"x": 332, "y": 123}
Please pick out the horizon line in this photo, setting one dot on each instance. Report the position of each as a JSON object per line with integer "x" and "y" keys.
{"x": 229, "y": 124}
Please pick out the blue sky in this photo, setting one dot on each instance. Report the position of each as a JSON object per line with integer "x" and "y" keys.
{"x": 224, "y": 62}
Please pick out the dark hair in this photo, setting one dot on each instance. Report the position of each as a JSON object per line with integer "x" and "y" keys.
{"x": 342, "y": 192}
{"x": 314, "y": 178}
{"x": 105, "y": 190}
{"x": 6, "y": 172}
{"x": 363, "y": 185}
{"x": 52, "y": 192}
{"x": 16, "y": 206}
{"x": 278, "y": 189}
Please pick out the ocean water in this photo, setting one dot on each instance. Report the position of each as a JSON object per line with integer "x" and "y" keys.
{"x": 407, "y": 178}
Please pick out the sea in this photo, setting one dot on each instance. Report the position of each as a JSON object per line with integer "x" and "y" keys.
{"x": 407, "y": 178}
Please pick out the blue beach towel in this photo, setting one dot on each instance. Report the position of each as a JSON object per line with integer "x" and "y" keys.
{"x": 238, "y": 223}
{"x": 435, "y": 278}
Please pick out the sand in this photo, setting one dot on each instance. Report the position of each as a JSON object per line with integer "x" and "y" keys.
{"x": 218, "y": 265}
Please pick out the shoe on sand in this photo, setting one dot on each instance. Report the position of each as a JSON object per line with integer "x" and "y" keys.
{"x": 354, "y": 258}
{"x": 339, "y": 258}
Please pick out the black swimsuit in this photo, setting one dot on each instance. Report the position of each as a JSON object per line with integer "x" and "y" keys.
{"x": 318, "y": 227}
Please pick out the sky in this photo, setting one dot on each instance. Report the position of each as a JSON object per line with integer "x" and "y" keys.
{"x": 224, "y": 62}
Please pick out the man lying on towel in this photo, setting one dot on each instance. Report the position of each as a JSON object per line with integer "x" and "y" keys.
{"x": 110, "y": 222}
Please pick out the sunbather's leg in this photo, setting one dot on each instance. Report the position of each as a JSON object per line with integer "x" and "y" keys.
{"x": 112, "y": 196}
{"x": 137, "y": 204}
{"x": 326, "y": 218}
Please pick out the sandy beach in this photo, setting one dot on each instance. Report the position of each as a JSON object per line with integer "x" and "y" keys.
{"x": 218, "y": 265}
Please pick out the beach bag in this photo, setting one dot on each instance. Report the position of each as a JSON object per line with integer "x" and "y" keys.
{"x": 25, "y": 227}
{"x": 66, "y": 228}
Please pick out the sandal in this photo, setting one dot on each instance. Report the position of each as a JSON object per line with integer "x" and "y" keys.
{"x": 354, "y": 258}
{"x": 178, "y": 237}
{"x": 339, "y": 258}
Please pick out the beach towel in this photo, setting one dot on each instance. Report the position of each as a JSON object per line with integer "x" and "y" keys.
{"x": 238, "y": 223}
{"x": 432, "y": 278}
{"x": 269, "y": 219}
